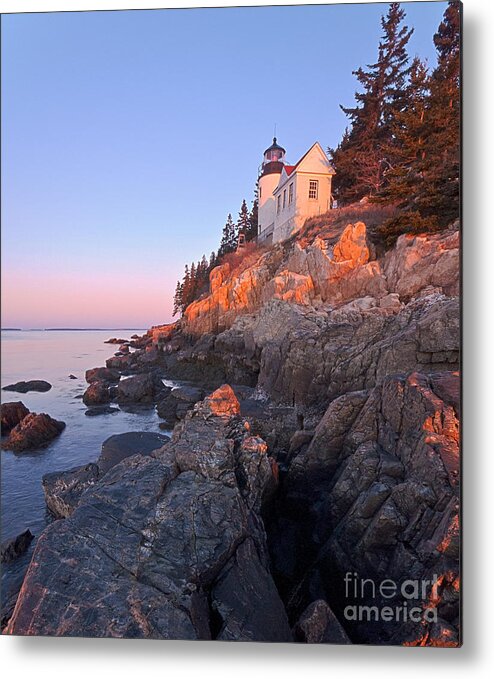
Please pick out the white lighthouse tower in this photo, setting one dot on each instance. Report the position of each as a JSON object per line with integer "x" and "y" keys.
{"x": 272, "y": 166}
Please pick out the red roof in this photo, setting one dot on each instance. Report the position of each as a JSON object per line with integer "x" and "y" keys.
{"x": 289, "y": 169}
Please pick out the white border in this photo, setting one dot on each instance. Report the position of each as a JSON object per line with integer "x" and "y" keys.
{"x": 84, "y": 658}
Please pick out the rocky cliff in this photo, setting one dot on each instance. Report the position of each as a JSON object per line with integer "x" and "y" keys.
{"x": 323, "y": 274}
{"x": 365, "y": 348}
{"x": 343, "y": 457}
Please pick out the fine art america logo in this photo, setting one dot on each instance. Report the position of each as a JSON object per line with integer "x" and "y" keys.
{"x": 390, "y": 601}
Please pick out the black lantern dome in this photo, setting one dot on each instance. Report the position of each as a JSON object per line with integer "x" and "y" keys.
{"x": 274, "y": 158}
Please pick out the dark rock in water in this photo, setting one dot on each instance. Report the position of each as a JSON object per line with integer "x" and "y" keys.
{"x": 94, "y": 411}
{"x": 167, "y": 410}
{"x": 102, "y": 375}
{"x": 13, "y": 548}
{"x": 169, "y": 542}
{"x": 72, "y": 377}
{"x": 178, "y": 402}
{"x": 31, "y": 385}
{"x": 12, "y": 413}
{"x": 116, "y": 340}
{"x": 139, "y": 389}
{"x": 96, "y": 394}
{"x": 134, "y": 337}
{"x": 118, "y": 447}
{"x": 319, "y": 625}
{"x": 124, "y": 348}
{"x": 33, "y": 431}
{"x": 63, "y": 490}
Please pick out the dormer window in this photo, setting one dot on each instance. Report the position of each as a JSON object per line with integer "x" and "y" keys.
{"x": 313, "y": 189}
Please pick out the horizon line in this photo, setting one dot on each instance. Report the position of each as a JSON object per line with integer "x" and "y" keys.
{"x": 64, "y": 328}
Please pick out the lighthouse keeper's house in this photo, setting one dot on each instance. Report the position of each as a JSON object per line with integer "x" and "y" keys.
{"x": 289, "y": 194}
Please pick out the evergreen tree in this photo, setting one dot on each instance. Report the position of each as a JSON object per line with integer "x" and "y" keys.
{"x": 366, "y": 151}
{"x": 186, "y": 288}
{"x": 253, "y": 227}
{"x": 203, "y": 265}
{"x": 228, "y": 239}
{"x": 191, "y": 293}
{"x": 408, "y": 131}
{"x": 439, "y": 194}
{"x": 177, "y": 299}
{"x": 243, "y": 222}
{"x": 425, "y": 184}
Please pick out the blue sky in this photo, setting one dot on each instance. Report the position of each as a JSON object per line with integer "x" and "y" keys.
{"x": 128, "y": 137}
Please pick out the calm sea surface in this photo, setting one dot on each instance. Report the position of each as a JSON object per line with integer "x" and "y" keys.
{"x": 53, "y": 356}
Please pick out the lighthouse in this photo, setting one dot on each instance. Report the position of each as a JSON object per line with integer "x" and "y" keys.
{"x": 269, "y": 177}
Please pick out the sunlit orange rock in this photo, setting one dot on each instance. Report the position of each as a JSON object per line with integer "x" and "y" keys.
{"x": 221, "y": 403}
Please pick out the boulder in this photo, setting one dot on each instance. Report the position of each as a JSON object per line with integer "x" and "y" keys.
{"x": 31, "y": 385}
{"x": 13, "y": 548}
{"x": 142, "y": 388}
{"x": 352, "y": 245}
{"x": 419, "y": 262}
{"x": 12, "y": 413}
{"x": 120, "y": 362}
{"x": 33, "y": 431}
{"x": 167, "y": 410}
{"x": 96, "y": 394}
{"x": 102, "y": 375}
{"x": 222, "y": 403}
{"x": 319, "y": 625}
{"x": 94, "y": 411}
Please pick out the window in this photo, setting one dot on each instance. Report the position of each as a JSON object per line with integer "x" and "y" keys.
{"x": 260, "y": 191}
{"x": 278, "y": 209}
{"x": 290, "y": 194}
{"x": 313, "y": 188}
{"x": 284, "y": 199}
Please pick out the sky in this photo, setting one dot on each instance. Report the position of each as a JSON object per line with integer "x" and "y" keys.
{"x": 127, "y": 138}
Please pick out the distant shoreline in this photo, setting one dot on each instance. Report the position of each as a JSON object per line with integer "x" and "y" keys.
{"x": 69, "y": 329}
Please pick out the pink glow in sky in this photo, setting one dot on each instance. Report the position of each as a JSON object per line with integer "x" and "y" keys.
{"x": 111, "y": 301}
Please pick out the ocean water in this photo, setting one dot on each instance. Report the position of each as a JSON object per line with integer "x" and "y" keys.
{"x": 53, "y": 356}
